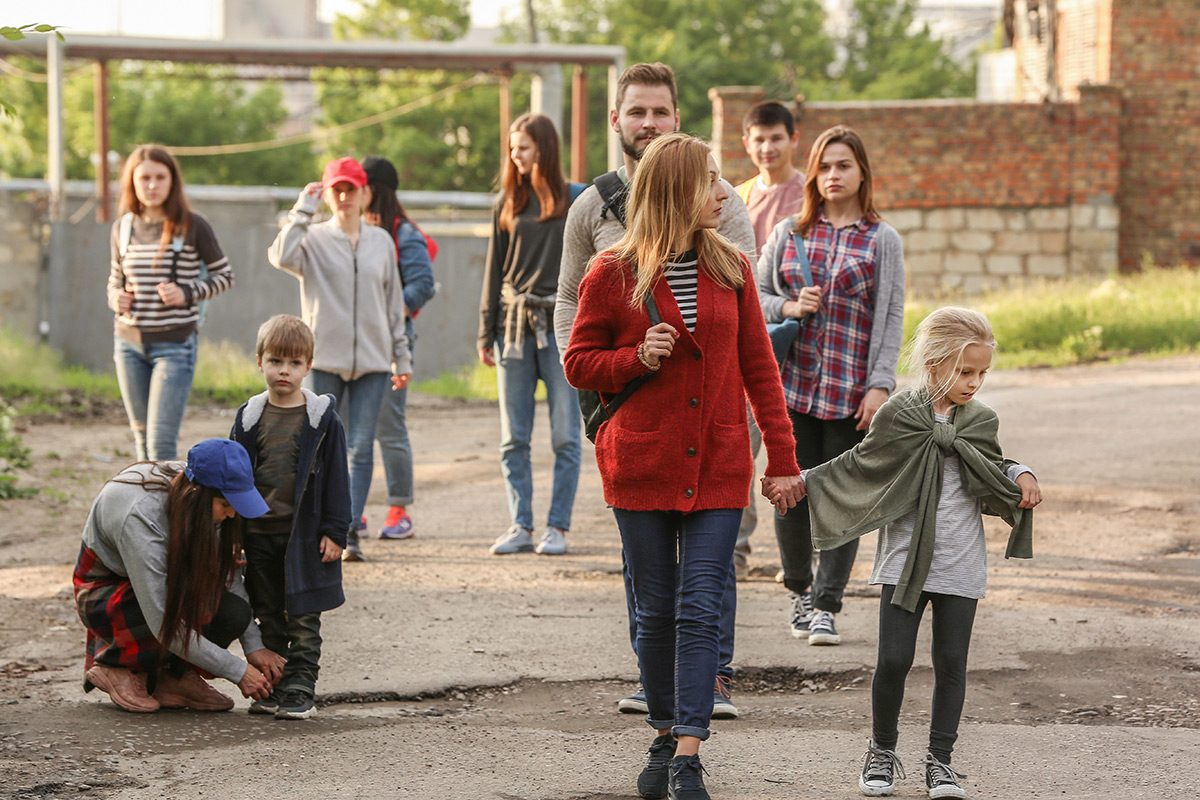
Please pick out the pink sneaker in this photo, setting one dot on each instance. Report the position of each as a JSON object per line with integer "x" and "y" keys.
{"x": 190, "y": 691}
{"x": 124, "y": 688}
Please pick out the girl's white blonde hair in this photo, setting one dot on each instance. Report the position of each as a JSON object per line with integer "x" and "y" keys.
{"x": 943, "y": 336}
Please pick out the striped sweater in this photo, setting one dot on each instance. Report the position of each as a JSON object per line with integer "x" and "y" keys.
{"x": 148, "y": 262}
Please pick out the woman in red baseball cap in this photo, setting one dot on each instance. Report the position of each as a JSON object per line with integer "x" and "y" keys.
{"x": 159, "y": 588}
{"x": 352, "y": 297}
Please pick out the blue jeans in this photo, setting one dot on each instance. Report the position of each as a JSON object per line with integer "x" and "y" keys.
{"x": 358, "y": 406}
{"x": 394, "y": 446}
{"x": 680, "y": 565}
{"x": 516, "y": 380}
{"x": 155, "y": 381}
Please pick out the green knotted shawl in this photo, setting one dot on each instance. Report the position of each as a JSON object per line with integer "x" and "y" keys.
{"x": 898, "y": 468}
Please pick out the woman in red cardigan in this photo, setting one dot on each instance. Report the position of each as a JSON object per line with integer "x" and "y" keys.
{"x": 675, "y": 458}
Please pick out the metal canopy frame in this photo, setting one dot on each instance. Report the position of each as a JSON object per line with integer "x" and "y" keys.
{"x": 503, "y": 60}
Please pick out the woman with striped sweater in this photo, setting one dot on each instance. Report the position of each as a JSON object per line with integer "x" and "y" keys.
{"x": 160, "y": 249}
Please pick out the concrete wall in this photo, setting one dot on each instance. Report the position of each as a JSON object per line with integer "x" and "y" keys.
{"x": 80, "y": 324}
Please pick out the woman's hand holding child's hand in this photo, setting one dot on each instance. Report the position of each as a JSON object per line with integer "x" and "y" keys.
{"x": 330, "y": 550}
{"x": 659, "y": 342}
{"x": 268, "y": 662}
{"x": 785, "y": 492}
{"x": 1031, "y": 493}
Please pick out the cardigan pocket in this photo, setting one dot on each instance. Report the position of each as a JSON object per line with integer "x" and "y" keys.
{"x": 635, "y": 456}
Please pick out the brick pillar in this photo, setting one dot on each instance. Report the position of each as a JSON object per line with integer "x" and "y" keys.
{"x": 730, "y": 104}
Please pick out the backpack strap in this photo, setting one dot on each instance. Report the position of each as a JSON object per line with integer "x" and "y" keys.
{"x": 743, "y": 191}
{"x": 124, "y": 233}
{"x": 805, "y": 267}
{"x": 615, "y": 193}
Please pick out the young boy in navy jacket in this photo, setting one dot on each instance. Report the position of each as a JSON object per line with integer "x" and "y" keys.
{"x": 293, "y": 552}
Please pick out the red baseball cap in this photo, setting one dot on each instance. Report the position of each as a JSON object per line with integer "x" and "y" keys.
{"x": 344, "y": 169}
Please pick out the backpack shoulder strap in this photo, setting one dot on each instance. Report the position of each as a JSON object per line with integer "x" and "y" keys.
{"x": 614, "y": 192}
{"x": 802, "y": 253}
{"x": 124, "y": 233}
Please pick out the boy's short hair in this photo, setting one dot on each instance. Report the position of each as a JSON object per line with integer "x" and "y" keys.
{"x": 286, "y": 336}
{"x": 767, "y": 114}
{"x": 656, "y": 74}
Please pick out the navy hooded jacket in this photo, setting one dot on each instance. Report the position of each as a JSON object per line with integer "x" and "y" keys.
{"x": 322, "y": 502}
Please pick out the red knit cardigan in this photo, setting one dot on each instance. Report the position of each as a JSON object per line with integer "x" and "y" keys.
{"x": 680, "y": 442}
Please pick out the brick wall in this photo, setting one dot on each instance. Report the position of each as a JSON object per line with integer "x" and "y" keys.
{"x": 984, "y": 195}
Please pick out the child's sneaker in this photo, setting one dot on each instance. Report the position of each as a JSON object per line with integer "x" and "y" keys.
{"x": 399, "y": 525}
{"x": 821, "y": 629}
{"x": 802, "y": 612}
{"x": 652, "y": 783}
{"x": 268, "y": 705}
{"x": 514, "y": 540}
{"x": 942, "y": 779}
{"x": 353, "y": 551}
{"x": 295, "y": 704}
{"x": 880, "y": 769}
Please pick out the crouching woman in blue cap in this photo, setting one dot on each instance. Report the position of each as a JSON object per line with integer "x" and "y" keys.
{"x": 158, "y": 583}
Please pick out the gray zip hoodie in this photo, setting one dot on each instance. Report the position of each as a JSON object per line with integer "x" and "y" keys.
{"x": 352, "y": 299}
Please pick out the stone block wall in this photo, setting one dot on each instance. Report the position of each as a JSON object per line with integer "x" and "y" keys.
{"x": 20, "y": 262}
{"x": 983, "y": 195}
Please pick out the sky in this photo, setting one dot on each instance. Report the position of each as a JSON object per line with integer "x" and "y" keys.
{"x": 194, "y": 18}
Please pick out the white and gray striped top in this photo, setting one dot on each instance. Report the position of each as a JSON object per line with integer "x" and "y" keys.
{"x": 682, "y": 275}
{"x": 959, "y": 564}
{"x": 147, "y": 262}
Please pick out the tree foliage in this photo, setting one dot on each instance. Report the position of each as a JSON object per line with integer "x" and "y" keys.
{"x": 418, "y": 20}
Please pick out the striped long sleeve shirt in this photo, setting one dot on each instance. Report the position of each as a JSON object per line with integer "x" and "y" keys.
{"x": 149, "y": 261}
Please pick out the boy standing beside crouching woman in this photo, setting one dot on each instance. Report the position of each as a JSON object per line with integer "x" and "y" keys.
{"x": 293, "y": 552}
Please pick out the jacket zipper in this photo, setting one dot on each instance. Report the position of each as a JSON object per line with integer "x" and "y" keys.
{"x": 354, "y": 318}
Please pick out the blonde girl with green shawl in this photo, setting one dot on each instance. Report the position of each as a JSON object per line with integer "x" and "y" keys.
{"x": 927, "y": 470}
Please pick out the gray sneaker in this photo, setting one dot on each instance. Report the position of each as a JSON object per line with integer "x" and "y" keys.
{"x": 802, "y": 613}
{"x": 268, "y": 705}
{"x": 880, "y": 769}
{"x": 353, "y": 551}
{"x": 821, "y": 629}
{"x": 514, "y": 540}
{"x": 294, "y": 704}
{"x": 552, "y": 543}
{"x": 941, "y": 780}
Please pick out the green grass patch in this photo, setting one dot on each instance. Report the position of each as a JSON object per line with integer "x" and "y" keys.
{"x": 470, "y": 382}
{"x": 35, "y": 376}
{"x": 226, "y": 375}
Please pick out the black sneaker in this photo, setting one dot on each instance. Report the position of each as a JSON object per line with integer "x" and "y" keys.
{"x": 723, "y": 707}
{"x": 942, "y": 779}
{"x": 353, "y": 551}
{"x": 652, "y": 783}
{"x": 635, "y": 703}
{"x": 294, "y": 704}
{"x": 686, "y": 780}
{"x": 801, "y": 616}
{"x": 821, "y": 629}
{"x": 880, "y": 770}
{"x": 268, "y": 705}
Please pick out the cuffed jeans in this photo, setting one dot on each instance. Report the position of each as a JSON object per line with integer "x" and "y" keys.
{"x": 516, "y": 380}
{"x": 394, "y": 446}
{"x": 679, "y": 565}
{"x": 155, "y": 380}
{"x": 358, "y": 406}
{"x": 953, "y": 619}
{"x": 817, "y": 441}
{"x": 295, "y": 637}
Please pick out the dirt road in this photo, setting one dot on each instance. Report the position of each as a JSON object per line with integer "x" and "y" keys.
{"x": 453, "y": 674}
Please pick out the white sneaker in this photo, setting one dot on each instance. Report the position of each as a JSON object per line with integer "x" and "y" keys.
{"x": 514, "y": 540}
{"x": 553, "y": 542}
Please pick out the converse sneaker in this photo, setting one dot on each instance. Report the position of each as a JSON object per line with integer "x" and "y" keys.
{"x": 635, "y": 703}
{"x": 941, "y": 779}
{"x": 686, "y": 779}
{"x": 552, "y": 543}
{"x": 514, "y": 540}
{"x": 821, "y": 629}
{"x": 723, "y": 707}
{"x": 802, "y": 611}
{"x": 295, "y": 704}
{"x": 353, "y": 551}
{"x": 652, "y": 783}
{"x": 880, "y": 769}
{"x": 268, "y": 705}
{"x": 399, "y": 525}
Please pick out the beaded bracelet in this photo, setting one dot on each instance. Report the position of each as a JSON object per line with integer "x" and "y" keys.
{"x": 641, "y": 354}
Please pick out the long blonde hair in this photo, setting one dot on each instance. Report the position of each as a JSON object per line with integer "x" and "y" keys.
{"x": 666, "y": 201}
{"x": 943, "y": 336}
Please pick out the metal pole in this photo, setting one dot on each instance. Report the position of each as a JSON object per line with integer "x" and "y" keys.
{"x": 104, "y": 201}
{"x": 579, "y": 125}
{"x": 614, "y": 144}
{"x": 55, "y": 168}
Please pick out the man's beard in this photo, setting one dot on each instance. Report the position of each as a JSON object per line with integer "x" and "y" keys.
{"x": 630, "y": 147}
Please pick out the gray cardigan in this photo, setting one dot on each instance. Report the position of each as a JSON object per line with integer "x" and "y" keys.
{"x": 887, "y": 325}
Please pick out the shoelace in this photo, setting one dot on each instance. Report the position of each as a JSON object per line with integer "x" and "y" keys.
{"x": 724, "y": 686}
{"x": 688, "y": 773}
{"x": 661, "y": 754}
{"x": 821, "y": 619}
{"x": 801, "y": 608}
{"x": 883, "y": 762}
{"x": 941, "y": 773}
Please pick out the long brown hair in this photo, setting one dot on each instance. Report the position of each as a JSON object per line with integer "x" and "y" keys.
{"x": 813, "y": 202}
{"x": 666, "y": 202}
{"x": 179, "y": 216}
{"x": 201, "y": 557}
{"x": 545, "y": 179}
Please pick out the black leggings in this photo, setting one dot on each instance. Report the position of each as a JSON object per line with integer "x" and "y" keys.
{"x": 953, "y": 618}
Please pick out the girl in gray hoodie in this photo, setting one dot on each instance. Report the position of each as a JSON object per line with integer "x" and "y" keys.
{"x": 353, "y": 299}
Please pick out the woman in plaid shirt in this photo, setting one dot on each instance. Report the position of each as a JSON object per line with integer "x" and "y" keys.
{"x": 842, "y": 366}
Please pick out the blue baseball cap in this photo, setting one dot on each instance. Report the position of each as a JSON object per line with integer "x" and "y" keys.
{"x": 223, "y": 464}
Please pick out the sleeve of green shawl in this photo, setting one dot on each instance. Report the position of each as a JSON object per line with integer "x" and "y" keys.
{"x": 871, "y": 484}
